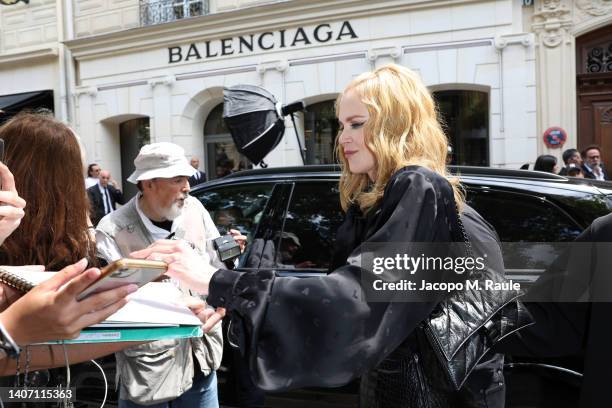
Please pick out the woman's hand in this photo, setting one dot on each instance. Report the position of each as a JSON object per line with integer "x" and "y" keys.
{"x": 208, "y": 316}
{"x": 51, "y": 311}
{"x": 11, "y": 205}
{"x": 184, "y": 264}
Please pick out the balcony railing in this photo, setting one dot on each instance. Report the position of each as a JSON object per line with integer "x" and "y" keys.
{"x": 165, "y": 11}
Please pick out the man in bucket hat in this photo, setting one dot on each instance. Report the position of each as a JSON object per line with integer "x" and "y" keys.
{"x": 167, "y": 372}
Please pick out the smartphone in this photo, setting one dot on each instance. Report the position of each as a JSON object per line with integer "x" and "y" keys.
{"x": 1, "y": 157}
{"x": 123, "y": 272}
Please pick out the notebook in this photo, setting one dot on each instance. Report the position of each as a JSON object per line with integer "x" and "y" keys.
{"x": 156, "y": 311}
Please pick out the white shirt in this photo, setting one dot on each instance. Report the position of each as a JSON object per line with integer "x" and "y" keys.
{"x": 90, "y": 182}
{"x": 106, "y": 199}
{"x": 599, "y": 176}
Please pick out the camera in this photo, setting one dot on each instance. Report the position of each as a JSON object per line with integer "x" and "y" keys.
{"x": 226, "y": 247}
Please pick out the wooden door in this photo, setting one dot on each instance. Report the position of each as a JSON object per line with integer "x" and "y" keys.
{"x": 603, "y": 129}
{"x": 594, "y": 91}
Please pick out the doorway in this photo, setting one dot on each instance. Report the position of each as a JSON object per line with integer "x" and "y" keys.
{"x": 133, "y": 134}
{"x": 222, "y": 156}
{"x": 594, "y": 90}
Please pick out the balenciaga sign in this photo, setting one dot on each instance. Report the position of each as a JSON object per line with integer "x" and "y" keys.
{"x": 268, "y": 40}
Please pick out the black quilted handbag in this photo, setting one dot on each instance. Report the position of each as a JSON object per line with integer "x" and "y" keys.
{"x": 469, "y": 322}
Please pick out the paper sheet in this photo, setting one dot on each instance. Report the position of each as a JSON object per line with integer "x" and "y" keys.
{"x": 156, "y": 304}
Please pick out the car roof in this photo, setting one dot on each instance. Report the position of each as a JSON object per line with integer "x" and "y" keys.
{"x": 524, "y": 179}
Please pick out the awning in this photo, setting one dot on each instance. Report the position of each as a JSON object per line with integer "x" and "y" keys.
{"x": 11, "y": 104}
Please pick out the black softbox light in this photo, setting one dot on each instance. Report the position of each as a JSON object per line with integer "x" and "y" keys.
{"x": 251, "y": 115}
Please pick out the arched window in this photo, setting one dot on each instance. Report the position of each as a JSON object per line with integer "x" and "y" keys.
{"x": 222, "y": 157}
{"x": 465, "y": 120}
{"x": 320, "y": 131}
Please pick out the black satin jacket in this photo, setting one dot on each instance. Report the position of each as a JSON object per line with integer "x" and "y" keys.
{"x": 321, "y": 331}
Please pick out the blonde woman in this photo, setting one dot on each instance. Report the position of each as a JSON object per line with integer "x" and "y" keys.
{"x": 325, "y": 331}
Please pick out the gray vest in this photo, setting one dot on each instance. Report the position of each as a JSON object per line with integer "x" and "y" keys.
{"x": 162, "y": 370}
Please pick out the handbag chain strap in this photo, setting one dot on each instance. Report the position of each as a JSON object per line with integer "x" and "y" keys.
{"x": 468, "y": 245}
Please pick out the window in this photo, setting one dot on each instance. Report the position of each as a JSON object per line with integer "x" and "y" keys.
{"x": 520, "y": 218}
{"x": 313, "y": 217}
{"x": 238, "y": 207}
{"x": 465, "y": 120}
{"x": 523, "y": 218}
{"x": 164, "y": 11}
{"x": 320, "y": 131}
{"x": 222, "y": 157}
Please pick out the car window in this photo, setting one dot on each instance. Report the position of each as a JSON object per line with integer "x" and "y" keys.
{"x": 311, "y": 222}
{"x": 236, "y": 206}
{"x": 528, "y": 227}
{"x": 523, "y": 218}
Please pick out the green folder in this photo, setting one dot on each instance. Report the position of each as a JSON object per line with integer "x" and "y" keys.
{"x": 113, "y": 335}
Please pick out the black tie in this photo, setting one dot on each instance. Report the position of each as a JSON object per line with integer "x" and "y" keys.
{"x": 108, "y": 202}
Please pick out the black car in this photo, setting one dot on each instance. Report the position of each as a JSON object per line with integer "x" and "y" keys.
{"x": 299, "y": 207}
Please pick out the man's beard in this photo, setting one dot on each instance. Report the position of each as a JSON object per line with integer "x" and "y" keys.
{"x": 172, "y": 212}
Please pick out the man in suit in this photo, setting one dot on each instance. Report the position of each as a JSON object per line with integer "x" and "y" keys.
{"x": 199, "y": 177}
{"x": 592, "y": 166}
{"x": 103, "y": 197}
{"x": 571, "y": 156}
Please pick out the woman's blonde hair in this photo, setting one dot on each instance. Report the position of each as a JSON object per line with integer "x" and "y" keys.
{"x": 402, "y": 130}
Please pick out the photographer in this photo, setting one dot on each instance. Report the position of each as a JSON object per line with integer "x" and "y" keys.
{"x": 180, "y": 371}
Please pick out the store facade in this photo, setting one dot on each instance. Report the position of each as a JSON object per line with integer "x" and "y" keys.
{"x": 129, "y": 72}
{"x": 165, "y": 82}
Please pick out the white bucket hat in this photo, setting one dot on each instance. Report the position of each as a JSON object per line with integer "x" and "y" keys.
{"x": 160, "y": 160}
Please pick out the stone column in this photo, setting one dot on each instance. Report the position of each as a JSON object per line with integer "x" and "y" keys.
{"x": 161, "y": 121}
{"x": 85, "y": 121}
{"x": 556, "y": 71}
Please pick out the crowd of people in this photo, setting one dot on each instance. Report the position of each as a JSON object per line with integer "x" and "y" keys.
{"x": 585, "y": 164}
{"x": 394, "y": 188}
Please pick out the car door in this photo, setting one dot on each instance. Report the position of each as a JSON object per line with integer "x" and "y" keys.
{"x": 531, "y": 228}
{"x": 302, "y": 220}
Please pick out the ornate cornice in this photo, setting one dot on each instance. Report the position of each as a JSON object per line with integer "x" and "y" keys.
{"x": 381, "y": 52}
{"x": 552, "y": 22}
{"x": 279, "y": 65}
{"x": 28, "y": 55}
{"x": 276, "y": 15}
{"x": 595, "y": 7}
